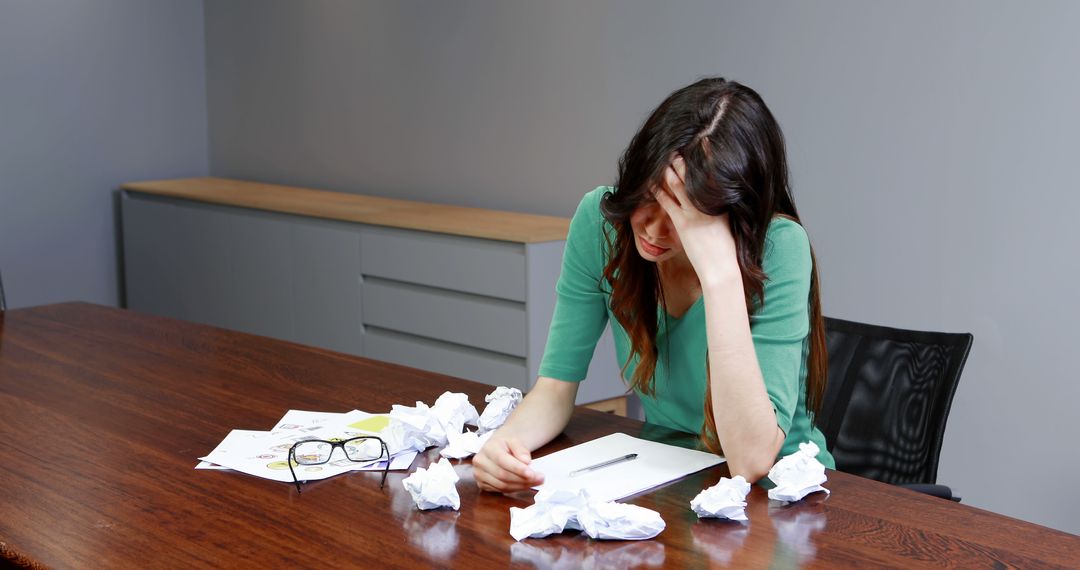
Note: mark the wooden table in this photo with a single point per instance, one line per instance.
(103, 413)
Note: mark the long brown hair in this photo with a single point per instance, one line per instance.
(736, 163)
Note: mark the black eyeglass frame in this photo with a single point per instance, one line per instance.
(334, 445)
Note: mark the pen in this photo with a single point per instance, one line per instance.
(603, 464)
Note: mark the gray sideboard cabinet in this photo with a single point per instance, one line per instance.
(460, 291)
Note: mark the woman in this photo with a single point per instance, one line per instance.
(698, 261)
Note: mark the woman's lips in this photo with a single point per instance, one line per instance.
(652, 249)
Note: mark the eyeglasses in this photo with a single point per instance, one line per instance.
(362, 449)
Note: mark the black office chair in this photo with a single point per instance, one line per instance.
(3, 303)
(887, 400)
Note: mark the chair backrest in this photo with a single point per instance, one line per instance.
(888, 397)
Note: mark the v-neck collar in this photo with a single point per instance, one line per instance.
(662, 312)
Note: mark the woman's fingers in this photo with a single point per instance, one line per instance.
(666, 200)
(521, 453)
(510, 468)
(675, 182)
(499, 479)
(490, 481)
(672, 185)
(679, 166)
(487, 482)
(504, 467)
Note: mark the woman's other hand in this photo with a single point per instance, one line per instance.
(503, 463)
(503, 466)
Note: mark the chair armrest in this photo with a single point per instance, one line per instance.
(940, 491)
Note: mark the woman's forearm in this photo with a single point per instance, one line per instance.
(745, 420)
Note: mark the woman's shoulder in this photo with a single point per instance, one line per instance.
(589, 230)
(786, 242)
(783, 229)
(593, 198)
(588, 211)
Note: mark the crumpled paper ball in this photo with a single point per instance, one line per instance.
(420, 427)
(553, 511)
(452, 411)
(434, 487)
(556, 510)
(620, 521)
(401, 436)
(500, 403)
(725, 500)
(798, 474)
(464, 444)
(415, 426)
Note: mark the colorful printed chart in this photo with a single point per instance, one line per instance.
(265, 453)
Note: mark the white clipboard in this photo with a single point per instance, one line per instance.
(655, 464)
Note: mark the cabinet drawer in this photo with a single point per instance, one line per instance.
(446, 358)
(481, 267)
(458, 318)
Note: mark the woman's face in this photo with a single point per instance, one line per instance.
(654, 234)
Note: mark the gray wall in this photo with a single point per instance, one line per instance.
(929, 142)
(92, 94)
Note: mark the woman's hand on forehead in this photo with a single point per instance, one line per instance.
(674, 183)
(707, 240)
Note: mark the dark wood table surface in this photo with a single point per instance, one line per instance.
(103, 413)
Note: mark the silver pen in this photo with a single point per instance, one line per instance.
(603, 464)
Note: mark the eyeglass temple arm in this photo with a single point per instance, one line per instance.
(289, 461)
(386, 469)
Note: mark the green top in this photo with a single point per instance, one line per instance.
(780, 329)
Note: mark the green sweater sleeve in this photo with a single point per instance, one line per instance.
(580, 306)
(781, 326)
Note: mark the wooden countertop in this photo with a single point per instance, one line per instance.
(439, 218)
